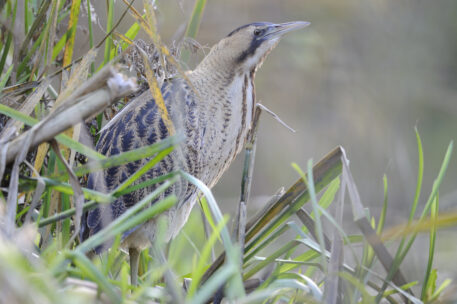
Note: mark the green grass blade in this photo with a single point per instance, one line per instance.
(164, 146)
(27, 16)
(313, 288)
(137, 175)
(9, 39)
(194, 23)
(205, 255)
(30, 52)
(217, 280)
(130, 218)
(325, 171)
(271, 258)
(65, 188)
(146, 183)
(97, 197)
(235, 283)
(216, 212)
(207, 212)
(133, 31)
(37, 23)
(400, 255)
(431, 251)
(91, 33)
(303, 259)
(271, 237)
(366, 297)
(439, 290)
(5, 77)
(58, 47)
(317, 216)
(435, 188)
(65, 233)
(439, 179)
(71, 32)
(109, 26)
(382, 217)
(89, 269)
(420, 175)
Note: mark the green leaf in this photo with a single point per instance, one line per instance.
(58, 47)
(199, 270)
(164, 147)
(439, 290)
(5, 77)
(83, 263)
(132, 217)
(429, 284)
(109, 26)
(194, 22)
(193, 25)
(9, 39)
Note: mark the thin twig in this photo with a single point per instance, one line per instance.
(275, 116)
(116, 25)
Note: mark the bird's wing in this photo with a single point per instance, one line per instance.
(139, 124)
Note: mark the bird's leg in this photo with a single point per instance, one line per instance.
(134, 255)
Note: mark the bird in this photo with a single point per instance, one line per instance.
(213, 106)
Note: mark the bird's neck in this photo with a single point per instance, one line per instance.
(220, 72)
(226, 101)
(224, 84)
(214, 71)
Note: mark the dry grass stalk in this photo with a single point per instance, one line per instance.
(92, 97)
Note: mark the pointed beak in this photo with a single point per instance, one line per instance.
(278, 30)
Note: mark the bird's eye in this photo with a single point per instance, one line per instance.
(257, 32)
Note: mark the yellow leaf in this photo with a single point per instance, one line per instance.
(157, 94)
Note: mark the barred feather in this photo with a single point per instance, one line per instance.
(214, 111)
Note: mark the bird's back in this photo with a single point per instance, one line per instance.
(140, 124)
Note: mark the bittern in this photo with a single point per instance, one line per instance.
(213, 108)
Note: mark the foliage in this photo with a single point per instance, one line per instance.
(275, 256)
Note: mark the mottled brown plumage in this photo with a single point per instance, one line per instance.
(214, 112)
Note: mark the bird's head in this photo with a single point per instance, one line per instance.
(246, 47)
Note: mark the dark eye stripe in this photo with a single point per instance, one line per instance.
(250, 24)
(255, 43)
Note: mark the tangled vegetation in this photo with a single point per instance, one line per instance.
(281, 254)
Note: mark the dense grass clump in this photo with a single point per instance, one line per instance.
(283, 253)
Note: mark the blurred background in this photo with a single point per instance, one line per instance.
(363, 75)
